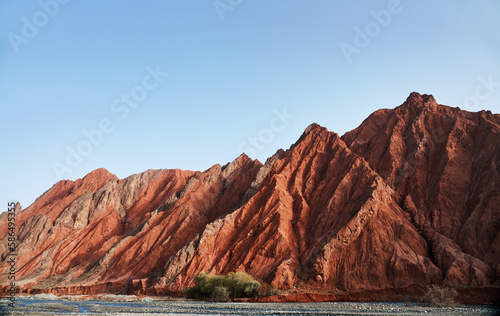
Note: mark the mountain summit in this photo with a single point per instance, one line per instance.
(408, 199)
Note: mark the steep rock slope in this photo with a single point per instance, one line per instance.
(322, 218)
(99, 232)
(445, 163)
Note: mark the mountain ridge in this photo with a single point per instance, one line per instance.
(408, 198)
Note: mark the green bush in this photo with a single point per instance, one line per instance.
(237, 283)
(220, 294)
(222, 288)
(251, 289)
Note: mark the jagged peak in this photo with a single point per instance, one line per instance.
(100, 172)
(417, 100)
(241, 159)
(97, 176)
(312, 127)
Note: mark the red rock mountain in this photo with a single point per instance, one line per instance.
(409, 198)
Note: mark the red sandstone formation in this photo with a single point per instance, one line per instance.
(445, 163)
(408, 199)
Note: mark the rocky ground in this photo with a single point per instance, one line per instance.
(131, 305)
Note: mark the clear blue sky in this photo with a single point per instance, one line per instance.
(231, 69)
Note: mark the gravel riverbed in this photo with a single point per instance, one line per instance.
(156, 306)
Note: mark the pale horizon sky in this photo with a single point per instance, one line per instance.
(131, 86)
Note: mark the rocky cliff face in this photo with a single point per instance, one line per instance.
(445, 163)
(411, 197)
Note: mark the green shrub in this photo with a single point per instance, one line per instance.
(251, 289)
(235, 285)
(220, 294)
